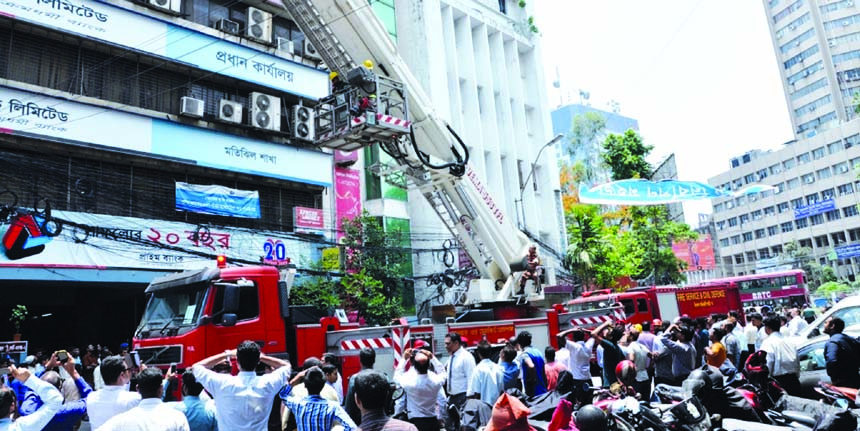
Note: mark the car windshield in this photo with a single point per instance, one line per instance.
(174, 307)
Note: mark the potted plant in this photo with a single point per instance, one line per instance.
(19, 314)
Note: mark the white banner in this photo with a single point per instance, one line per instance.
(105, 242)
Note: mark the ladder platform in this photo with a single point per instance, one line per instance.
(364, 130)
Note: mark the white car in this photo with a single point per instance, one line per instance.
(847, 309)
(813, 367)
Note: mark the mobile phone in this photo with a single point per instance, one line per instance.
(62, 356)
(173, 368)
(4, 371)
(135, 358)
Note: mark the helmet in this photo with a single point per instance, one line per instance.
(656, 323)
(638, 327)
(590, 418)
(332, 76)
(368, 64)
(697, 382)
(625, 372)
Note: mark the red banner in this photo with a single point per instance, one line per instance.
(308, 218)
(698, 254)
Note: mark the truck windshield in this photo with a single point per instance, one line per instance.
(173, 308)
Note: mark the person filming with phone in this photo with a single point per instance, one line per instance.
(50, 396)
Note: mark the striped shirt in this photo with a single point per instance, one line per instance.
(315, 413)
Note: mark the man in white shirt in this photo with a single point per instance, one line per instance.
(579, 363)
(114, 398)
(754, 332)
(421, 387)
(796, 324)
(487, 381)
(244, 401)
(781, 357)
(51, 398)
(151, 414)
(459, 372)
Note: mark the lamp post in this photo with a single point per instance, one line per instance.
(531, 171)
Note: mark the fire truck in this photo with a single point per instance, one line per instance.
(642, 304)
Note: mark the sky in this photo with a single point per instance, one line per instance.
(700, 76)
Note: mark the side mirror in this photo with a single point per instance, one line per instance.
(229, 319)
(231, 298)
(204, 320)
(814, 333)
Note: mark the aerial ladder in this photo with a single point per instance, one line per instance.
(387, 106)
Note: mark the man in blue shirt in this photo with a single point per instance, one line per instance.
(200, 414)
(313, 412)
(71, 412)
(842, 354)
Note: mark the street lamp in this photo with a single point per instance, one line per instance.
(531, 171)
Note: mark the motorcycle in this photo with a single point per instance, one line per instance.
(837, 395)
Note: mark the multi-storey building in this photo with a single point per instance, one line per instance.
(817, 44)
(814, 203)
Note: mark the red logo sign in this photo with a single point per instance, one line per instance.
(308, 218)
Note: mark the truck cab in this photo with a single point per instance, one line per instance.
(193, 314)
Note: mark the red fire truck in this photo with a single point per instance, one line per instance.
(642, 304)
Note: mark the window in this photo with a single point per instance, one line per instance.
(838, 23)
(805, 72)
(801, 223)
(852, 141)
(811, 358)
(759, 234)
(756, 215)
(821, 241)
(769, 211)
(799, 58)
(796, 41)
(749, 178)
(775, 169)
(730, 204)
(739, 258)
(832, 7)
(763, 253)
(827, 194)
(816, 219)
(750, 256)
(721, 225)
(761, 174)
(249, 303)
(727, 260)
(808, 178)
(805, 243)
(834, 147)
(779, 188)
(775, 250)
(786, 227)
(787, 11)
(838, 238)
(782, 207)
(811, 199)
(832, 215)
(745, 218)
(772, 230)
(642, 305)
(841, 168)
(823, 173)
(788, 164)
(737, 184)
(736, 240)
(724, 242)
(854, 234)
(733, 222)
(718, 208)
(796, 203)
(792, 183)
(816, 122)
(817, 153)
(748, 236)
(810, 108)
(850, 211)
(740, 200)
(809, 89)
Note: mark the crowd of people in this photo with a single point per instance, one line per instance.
(243, 389)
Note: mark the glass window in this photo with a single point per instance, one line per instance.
(841, 168)
(751, 256)
(749, 178)
(724, 242)
(839, 23)
(733, 222)
(838, 238)
(738, 184)
(796, 203)
(786, 227)
(779, 188)
(643, 305)
(816, 219)
(808, 178)
(756, 215)
(777, 249)
(721, 225)
(761, 174)
(805, 243)
(850, 211)
(810, 108)
(823, 173)
(789, 164)
(769, 211)
(809, 89)
(759, 233)
(739, 258)
(775, 169)
(854, 234)
(736, 239)
(740, 200)
(249, 303)
(796, 41)
(811, 199)
(718, 208)
(792, 183)
(745, 218)
(827, 194)
(832, 215)
(748, 236)
(782, 207)
(817, 153)
(799, 58)
(805, 73)
(787, 11)
(772, 230)
(811, 358)
(852, 141)
(834, 147)
(801, 223)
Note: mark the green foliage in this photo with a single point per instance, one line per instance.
(321, 291)
(856, 102)
(17, 317)
(599, 253)
(584, 146)
(655, 233)
(799, 257)
(833, 287)
(371, 299)
(625, 154)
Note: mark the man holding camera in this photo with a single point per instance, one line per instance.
(678, 341)
(50, 396)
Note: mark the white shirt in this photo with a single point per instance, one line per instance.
(750, 334)
(338, 387)
(459, 371)
(98, 380)
(640, 359)
(245, 400)
(51, 399)
(421, 390)
(781, 356)
(150, 415)
(795, 325)
(580, 358)
(488, 381)
(760, 336)
(109, 402)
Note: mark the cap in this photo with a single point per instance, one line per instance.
(123, 346)
(419, 344)
(656, 322)
(332, 75)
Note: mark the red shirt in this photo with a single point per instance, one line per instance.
(552, 369)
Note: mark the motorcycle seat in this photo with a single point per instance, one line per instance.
(799, 417)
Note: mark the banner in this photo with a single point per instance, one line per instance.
(816, 208)
(217, 200)
(644, 192)
(308, 220)
(347, 191)
(847, 251)
(698, 254)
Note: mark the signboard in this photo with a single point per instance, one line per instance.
(846, 251)
(816, 208)
(347, 191)
(644, 192)
(698, 254)
(308, 220)
(13, 348)
(773, 294)
(94, 241)
(494, 334)
(345, 158)
(30, 114)
(692, 303)
(217, 200)
(110, 23)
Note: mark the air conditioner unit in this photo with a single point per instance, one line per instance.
(310, 51)
(286, 48)
(791, 27)
(230, 111)
(843, 169)
(259, 25)
(809, 180)
(265, 111)
(191, 107)
(227, 26)
(171, 6)
(302, 123)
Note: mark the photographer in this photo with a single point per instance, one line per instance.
(50, 396)
(678, 342)
(71, 412)
(422, 388)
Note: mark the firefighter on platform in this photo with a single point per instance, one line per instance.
(532, 263)
(367, 101)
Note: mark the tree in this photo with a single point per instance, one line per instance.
(621, 256)
(833, 288)
(625, 155)
(584, 147)
(655, 233)
(584, 235)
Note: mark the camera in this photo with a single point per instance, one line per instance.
(62, 356)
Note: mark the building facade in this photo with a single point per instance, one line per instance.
(817, 44)
(480, 64)
(145, 138)
(814, 203)
(667, 169)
